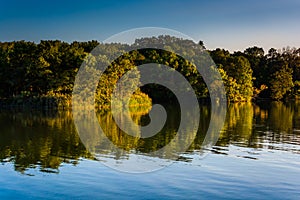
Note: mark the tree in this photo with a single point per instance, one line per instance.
(280, 79)
(257, 60)
(281, 82)
(238, 74)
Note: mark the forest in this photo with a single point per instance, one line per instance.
(43, 74)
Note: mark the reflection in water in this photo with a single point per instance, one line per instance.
(267, 125)
(46, 140)
(39, 139)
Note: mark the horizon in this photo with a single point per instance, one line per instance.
(101, 42)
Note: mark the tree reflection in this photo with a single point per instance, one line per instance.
(39, 139)
(46, 140)
(238, 124)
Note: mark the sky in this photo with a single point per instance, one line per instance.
(230, 24)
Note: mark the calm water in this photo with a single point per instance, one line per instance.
(256, 156)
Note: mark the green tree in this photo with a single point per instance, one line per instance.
(281, 82)
(257, 61)
(237, 74)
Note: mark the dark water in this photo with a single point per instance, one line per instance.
(257, 156)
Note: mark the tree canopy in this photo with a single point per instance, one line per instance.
(49, 68)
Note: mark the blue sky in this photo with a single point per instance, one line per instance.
(229, 24)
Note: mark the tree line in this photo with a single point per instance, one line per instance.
(48, 69)
(274, 75)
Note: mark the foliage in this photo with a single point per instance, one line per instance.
(281, 82)
(236, 73)
(48, 69)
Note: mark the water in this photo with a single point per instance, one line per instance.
(256, 157)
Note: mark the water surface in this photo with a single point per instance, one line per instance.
(256, 156)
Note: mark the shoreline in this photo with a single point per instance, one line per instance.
(64, 103)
